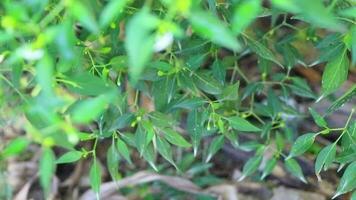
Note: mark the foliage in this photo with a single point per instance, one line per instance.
(160, 77)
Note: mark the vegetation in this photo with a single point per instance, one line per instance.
(156, 78)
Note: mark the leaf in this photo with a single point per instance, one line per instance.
(140, 139)
(273, 103)
(252, 88)
(215, 146)
(85, 16)
(209, 27)
(89, 109)
(262, 50)
(15, 147)
(325, 157)
(123, 150)
(302, 144)
(195, 128)
(208, 84)
(350, 93)
(294, 168)
(163, 148)
(251, 166)
(112, 160)
(271, 163)
(111, 11)
(139, 41)
(69, 157)
(335, 73)
(318, 119)
(244, 14)
(47, 168)
(301, 88)
(175, 138)
(241, 124)
(95, 177)
(348, 181)
(231, 92)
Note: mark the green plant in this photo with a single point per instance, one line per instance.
(161, 76)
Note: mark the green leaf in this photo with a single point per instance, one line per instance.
(324, 159)
(231, 92)
(335, 73)
(302, 144)
(252, 88)
(251, 166)
(271, 163)
(47, 168)
(244, 14)
(95, 177)
(294, 168)
(318, 119)
(349, 94)
(15, 147)
(207, 83)
(123, 150)
(209, 27)
(89, 109)
(163, 148)
(273, 103)
(348, 180)
(175, 138)
(139, 41)
(195, 128)
(301, 88)
(85, 16)
(215, 146)
(242, 124)
(69, 157)
(111, 11)
(353, 196)
(140, 139)
(112, 160)
(262, 50)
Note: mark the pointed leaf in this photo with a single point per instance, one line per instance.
(242, 124)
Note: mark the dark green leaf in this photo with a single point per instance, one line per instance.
(348, 180)
(215, 146)
(294, 168)
(251, 166)
(302, 144)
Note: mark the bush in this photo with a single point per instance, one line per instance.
(159, 77)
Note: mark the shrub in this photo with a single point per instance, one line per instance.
(161, 76)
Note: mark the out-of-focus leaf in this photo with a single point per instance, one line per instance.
(209, 27)
(15, 147)
(139, 41)
(95, 177)
(47, 168)
(195, 128)
(244, 13)
(165, 150)
(111, 11)
(69, 157)
(89, 109)
(82, 13)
